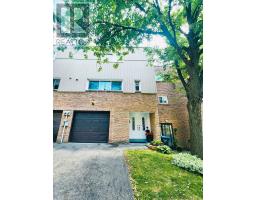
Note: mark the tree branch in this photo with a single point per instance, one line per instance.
(140, 8)
(180, 74)
(170, 20)
(200, 51)
(145, 31)
(197, 9)
(172, 39)
(157, 6)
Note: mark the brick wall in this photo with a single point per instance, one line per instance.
(119, 105)
(175, 111)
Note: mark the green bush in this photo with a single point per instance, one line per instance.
(188, 162)
(61, 47)
(164, 149)
(156, 143)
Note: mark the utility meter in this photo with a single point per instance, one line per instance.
(65, 123)
(66, 113)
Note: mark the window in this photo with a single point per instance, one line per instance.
(116, 85)
(163, 100)
(143, 124)
(137, 86)
(105, 85)
(56, 83)
(94, 85)
(133, 123)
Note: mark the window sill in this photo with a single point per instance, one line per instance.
(164, 104)
(117, 91)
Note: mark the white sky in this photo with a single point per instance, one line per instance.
(157, 41)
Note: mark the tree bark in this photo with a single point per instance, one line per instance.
(195, 123)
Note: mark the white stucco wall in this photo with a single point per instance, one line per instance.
(134, 67)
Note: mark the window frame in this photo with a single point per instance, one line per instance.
(137, 81)
(54, 83)
(121, 86)
(164, 103)
(171, 129)
(111, 82)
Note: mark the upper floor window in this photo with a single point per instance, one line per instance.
(163, 99)
(105, 85)
(137, 86)
(56, 83)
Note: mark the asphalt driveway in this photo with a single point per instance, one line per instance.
(91, 171)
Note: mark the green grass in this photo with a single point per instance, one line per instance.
(154, 177)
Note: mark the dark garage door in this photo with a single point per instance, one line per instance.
(56, 123)
(90, 127)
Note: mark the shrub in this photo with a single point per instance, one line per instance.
(156, 142)
(188, 162)
(61, 47)
(164, 149)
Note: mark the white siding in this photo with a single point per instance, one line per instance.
(133, 68)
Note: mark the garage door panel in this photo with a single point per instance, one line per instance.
(90, 127)
(93, 127)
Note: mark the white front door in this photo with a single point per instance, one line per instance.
(138, 123)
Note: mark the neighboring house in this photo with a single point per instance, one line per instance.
(172, 109)
(112, 105)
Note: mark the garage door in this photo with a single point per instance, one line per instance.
(90, 127)
(56, 123)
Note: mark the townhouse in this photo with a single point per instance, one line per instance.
(114, 105)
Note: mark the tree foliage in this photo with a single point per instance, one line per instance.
(115, 24)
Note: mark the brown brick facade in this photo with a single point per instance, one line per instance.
(119, 105)
(175, 111)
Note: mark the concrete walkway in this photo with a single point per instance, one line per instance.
(91, 172)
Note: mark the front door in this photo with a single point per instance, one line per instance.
(139, 121)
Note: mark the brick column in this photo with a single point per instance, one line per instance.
(155, 126)
(119, 127)
(67, 129)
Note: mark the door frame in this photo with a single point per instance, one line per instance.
(138, 125)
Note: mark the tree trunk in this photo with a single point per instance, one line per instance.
(195, 123)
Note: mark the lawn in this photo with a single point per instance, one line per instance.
(154, 177)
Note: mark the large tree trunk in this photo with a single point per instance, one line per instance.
(195, 123)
